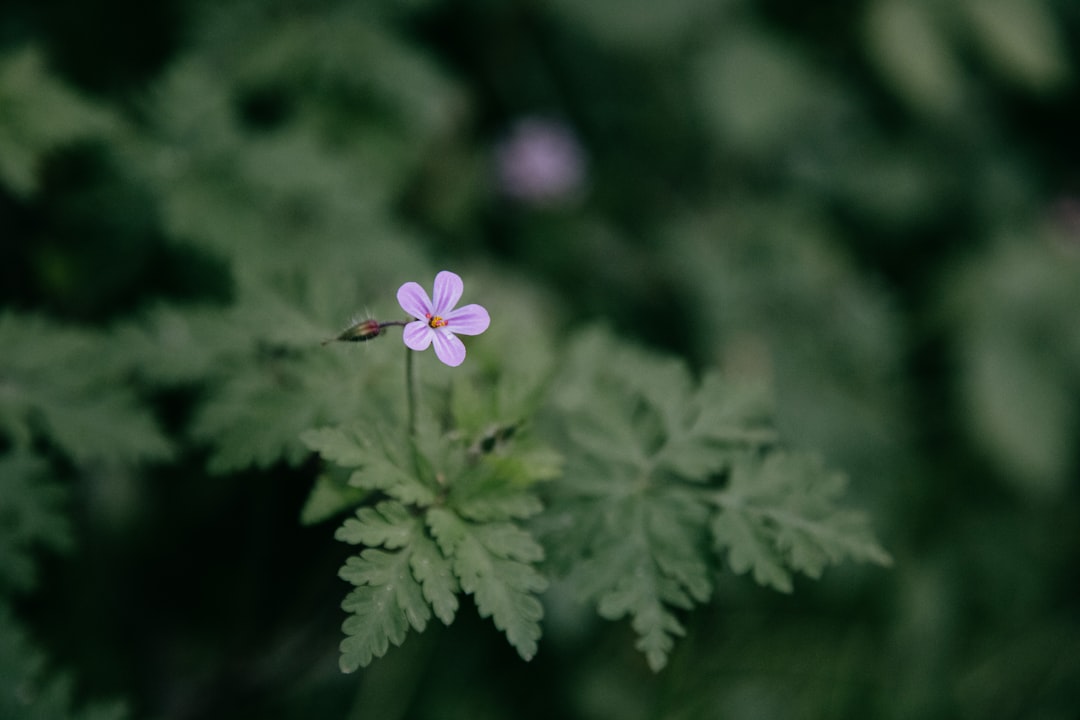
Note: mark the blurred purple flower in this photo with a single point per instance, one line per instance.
(437, 321)
(540, 162)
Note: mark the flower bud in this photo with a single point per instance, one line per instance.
(358, 332)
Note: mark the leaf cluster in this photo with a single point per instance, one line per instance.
(64, 385)
(442, 518)
(65, 399)
(666, 477)
(660, 480)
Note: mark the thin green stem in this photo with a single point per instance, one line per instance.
(410, 394)
(410, 401)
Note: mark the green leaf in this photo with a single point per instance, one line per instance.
(1016, 338)
(256, 415)
(384, 461)
(638, 594)
(388, 524)
(171, 345)
(337, 445)
(40, 113)
(731, 413)
(625, 406)
(265, 376)
(779, 513)
(758, 92)
(635, 26)
(626, 523)
(750, 548)
(492, 563)
(102, 425)
(1022, 37)
(914, 53)
(386, 602)
(644, 556)
(495, 488)
(720, 416)
(462, 490)
(436, 577)
(329, 496)
(296, 198)
(395, 590)
(32, 514)
(65, 385)
(633, 523)
(392, 470)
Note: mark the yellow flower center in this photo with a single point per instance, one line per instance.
(435, 321)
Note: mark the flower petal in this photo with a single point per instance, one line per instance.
(417, 335)
(414, 300)
(468, 320)
(448, 348)
(447, 291)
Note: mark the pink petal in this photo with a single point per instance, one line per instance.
(414, 300)
(468, 320)
(448, 348)
(447, 291)
(417, 335)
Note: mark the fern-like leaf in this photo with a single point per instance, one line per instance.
(448, 527)
(398, 583)
(329, 496)
(493, 562)
(32, 516)
(58, 383)
(644, 557)
(388, 525)
(436, 577)
(386, 602)
(637, 521)
(381, 463)
(779, 514)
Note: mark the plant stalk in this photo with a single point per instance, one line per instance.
(410, 394)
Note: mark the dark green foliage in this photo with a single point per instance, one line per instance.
(493, 562)
(664, 477)
(65, 385)
(1018, 343)
(779, 513)
(830, 241)
(41, 114)
(450, 526)
(25, 691)
(32, 516)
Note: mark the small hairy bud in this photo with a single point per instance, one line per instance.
(358, 332)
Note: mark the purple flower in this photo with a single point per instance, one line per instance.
(541, 162)
(438, 321)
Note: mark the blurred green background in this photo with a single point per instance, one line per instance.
(872, 204)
